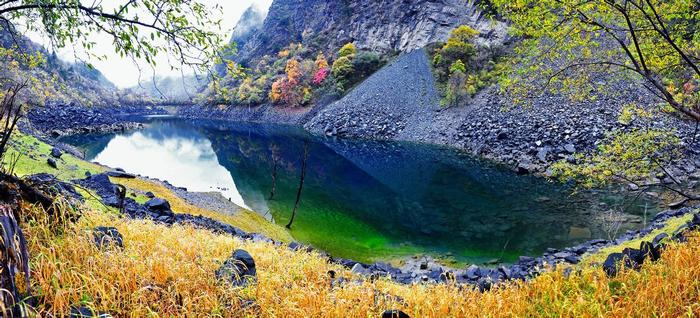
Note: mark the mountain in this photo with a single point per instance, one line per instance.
(65, 82)
(171, 89)
(383, 26)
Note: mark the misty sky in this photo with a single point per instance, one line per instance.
(125, 73)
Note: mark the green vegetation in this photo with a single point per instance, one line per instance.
(460, 68)
(565, 44)
(295, 77)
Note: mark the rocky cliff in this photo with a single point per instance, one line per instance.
(382, 26)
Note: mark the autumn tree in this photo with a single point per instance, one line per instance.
(565, 45)
(655, 41)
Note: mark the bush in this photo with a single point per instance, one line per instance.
(342, 70)
(347, 50)
(365, 64)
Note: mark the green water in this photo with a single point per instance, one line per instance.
(369, 200)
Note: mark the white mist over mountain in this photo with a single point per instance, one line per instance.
(124, 72)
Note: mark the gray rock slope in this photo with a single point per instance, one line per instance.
(386, 105)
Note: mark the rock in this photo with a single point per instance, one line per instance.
(150, 195)
(107, 236)
(86, 312)
(650, 251)
(616, 261)
(239, 269)
(502, 136)
(359, 269)
(542, 154)
(472, 272)
(158, 205)
(570, 148)
(394, 313)
(56, 153)
(120, 174)
(659, 238)
(52, 163)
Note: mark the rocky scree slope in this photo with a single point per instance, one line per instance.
(381, 26)
(401, 102)
(385, 105)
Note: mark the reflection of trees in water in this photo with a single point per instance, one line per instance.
(424, 195)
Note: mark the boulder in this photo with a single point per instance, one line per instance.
(86, 312)
(159, 205)
(150, 195)
(394, 313)
(650, 251)
(239, 269)
(56, 153)
(101, 184)
(120, 174)
(616, 261)
(52, 163)
(107, 236)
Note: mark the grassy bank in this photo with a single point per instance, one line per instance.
(169, 271)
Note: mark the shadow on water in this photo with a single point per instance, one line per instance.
(371, 200)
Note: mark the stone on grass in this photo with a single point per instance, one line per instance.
(158, 205)
(239, 269)
(56, 153)
(394, 313)
(52, 163)
(107, 236)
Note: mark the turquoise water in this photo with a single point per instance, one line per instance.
(369, 200)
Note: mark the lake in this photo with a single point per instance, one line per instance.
(370, 200)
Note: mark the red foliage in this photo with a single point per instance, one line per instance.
(320, 76)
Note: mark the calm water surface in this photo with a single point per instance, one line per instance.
(370, 200)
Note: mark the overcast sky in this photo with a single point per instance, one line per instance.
(124, 73)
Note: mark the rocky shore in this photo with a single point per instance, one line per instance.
(68, 119)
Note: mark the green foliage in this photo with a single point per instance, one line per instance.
(566, 43)
(634, 155)
(365, 64)
(456, 64)
(342, 71)
(348, 50)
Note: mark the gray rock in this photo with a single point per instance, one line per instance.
(56, 153)
(239, 269)
(107, 236)
(52, 163)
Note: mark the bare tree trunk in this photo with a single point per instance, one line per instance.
(301, 184)
(274, 179)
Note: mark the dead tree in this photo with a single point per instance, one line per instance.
(274, 154)
(304, 159)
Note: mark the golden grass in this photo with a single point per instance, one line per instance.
(246, 220)
(169, 272)
(671, 225)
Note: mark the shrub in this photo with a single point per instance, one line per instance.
(365, 64)
(320, 76)
(347, 50)
(342, 70)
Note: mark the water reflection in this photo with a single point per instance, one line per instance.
(175, 153)
(371, 200)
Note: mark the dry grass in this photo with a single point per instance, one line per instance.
(169, 272)
(246, 220)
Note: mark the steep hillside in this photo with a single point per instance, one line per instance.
(381, 26)
(66, 82)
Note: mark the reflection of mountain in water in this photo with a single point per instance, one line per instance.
(410, 192)
(431, 198)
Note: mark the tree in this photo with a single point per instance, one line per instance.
(321, 61)
(348, 50)
(342, 71)
(456, 86)
(654, 40)
(304, 159)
